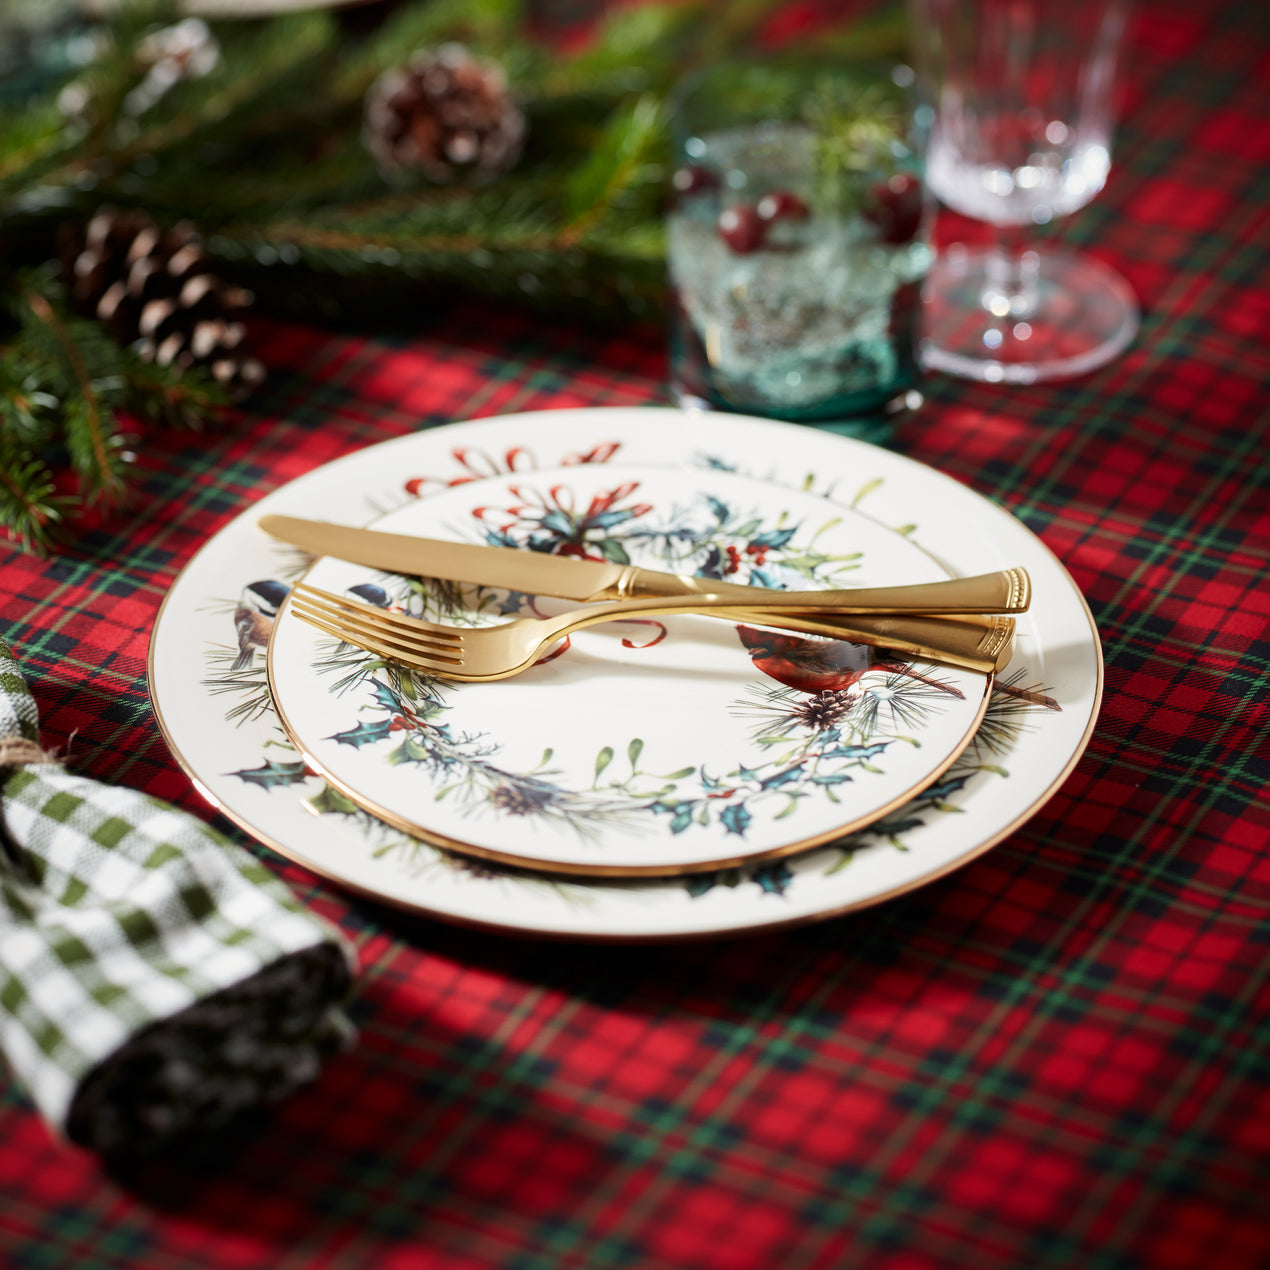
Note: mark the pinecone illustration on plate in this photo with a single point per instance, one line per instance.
(155, 289)
(443, 113)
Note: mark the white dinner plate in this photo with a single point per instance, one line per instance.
(208, 683)
(647, 746)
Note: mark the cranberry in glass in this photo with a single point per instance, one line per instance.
(741, 227)
(781, 205)
(896, 208)
(692, 179)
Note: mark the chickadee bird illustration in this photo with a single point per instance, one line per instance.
(813, 666)
(371, 593)
(253, 618)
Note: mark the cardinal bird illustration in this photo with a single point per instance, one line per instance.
(253, 618)
(824, 665)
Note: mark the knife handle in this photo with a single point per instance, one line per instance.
(1006, 591)
(982, 644)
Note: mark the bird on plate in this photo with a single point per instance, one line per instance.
(817, 665)
(372, 594)
(254, 616)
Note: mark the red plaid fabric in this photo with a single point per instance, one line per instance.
(1054, 1057)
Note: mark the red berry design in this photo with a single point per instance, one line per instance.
(896, 208)
(781, 205)
(742, 229)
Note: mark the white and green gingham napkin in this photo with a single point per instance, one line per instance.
(155, 979)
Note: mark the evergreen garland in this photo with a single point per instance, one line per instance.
(264, 154)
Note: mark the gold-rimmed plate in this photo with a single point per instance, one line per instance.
(646, 747)
(207, 682)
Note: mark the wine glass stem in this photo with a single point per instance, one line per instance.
(1011, 270)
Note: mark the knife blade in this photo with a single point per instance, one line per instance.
(570, 578)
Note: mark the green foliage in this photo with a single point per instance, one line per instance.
(264, 154)
(66, 389)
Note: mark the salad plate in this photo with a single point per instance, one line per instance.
(207, 679)
(668, 745)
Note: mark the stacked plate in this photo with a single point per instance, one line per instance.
(657, 778)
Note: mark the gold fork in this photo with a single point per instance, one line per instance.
(483, 653)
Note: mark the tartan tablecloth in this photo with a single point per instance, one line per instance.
(1054, 1057)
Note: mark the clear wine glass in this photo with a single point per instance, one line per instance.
(1019, 99)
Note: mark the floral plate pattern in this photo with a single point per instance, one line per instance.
(737, 743)
(207, 682)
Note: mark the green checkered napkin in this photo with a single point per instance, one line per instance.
(155, 979)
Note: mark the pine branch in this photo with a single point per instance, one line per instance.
(64, 383)
(265, 155)
(627, 167)
(30, 508)
(92, 437)
(186, 400)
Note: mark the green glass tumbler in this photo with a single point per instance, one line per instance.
(797, 239)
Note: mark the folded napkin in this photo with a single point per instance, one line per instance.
(155, 979)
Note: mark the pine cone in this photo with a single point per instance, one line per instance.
(154, 289)
(442, 113)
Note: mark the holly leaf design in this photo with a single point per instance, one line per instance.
(858, 751)
(777, 779)
(719, 508)
(680, 813)
(736, 819)
(271, 775)
(765, 578)
(946, 787)
(712, 566)
(385, 697)
(613, 550)
(610, 519)
(775, 538)
(513, 602)
(774, 879)
(681, 821)
(363, 734)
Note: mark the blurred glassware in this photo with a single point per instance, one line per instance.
(1018, 97)
(797, 239)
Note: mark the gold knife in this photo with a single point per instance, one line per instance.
(537, 573)
(904, 618)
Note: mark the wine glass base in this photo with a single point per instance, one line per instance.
(1081, 315)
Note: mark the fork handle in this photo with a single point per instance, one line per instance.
(1006, 591)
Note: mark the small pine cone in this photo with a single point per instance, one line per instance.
(520, 800)
(443, 113)
(154, 289)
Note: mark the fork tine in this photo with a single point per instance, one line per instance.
(410, 627)
(390, 650)
(352, 632)
(362, 618)
(394, 646)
